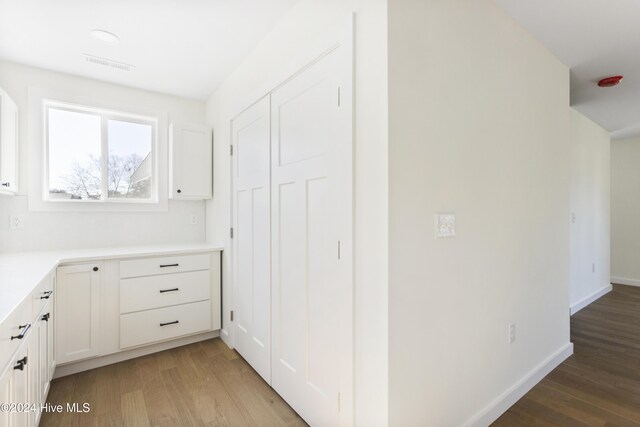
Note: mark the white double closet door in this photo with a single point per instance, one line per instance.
(292, 220)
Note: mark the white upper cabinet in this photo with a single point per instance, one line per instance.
(8, 144)
(190, 162)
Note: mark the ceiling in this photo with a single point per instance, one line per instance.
(596, 39)
(188, 47)
(180, 47)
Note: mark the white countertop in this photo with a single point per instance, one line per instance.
(20, 273)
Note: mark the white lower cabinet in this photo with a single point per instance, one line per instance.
(78, 291)
(22, 383)
(144, 293)
(164, 323)
(166, 298)
(5, 394)
(25, 379)
(46, 361)
(87, 310)
(113, 305)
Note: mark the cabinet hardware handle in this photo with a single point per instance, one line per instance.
(46, 317)
(179, 191)
(20, 363)
(95, 269)
(24, 328)
(169, 265)
(170, 323)
(162, 291)
(6, 184)
(46, 295)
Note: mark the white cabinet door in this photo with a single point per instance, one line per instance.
(15, 389)
(51, 332)
(34, 392)
(8, 144)
(20, 388)
(23, 377)
(251, 240)
(44, 330)
(5, 395)
(190, 162)
(77, 300)
(311, 238)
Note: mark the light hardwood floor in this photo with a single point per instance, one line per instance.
(600, 384)
(202, 384)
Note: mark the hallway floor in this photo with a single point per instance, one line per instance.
(599, 385)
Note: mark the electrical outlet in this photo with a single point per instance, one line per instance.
(573, 217)
(445, 225)
(193, 219)
(16, 222)
(512, 333)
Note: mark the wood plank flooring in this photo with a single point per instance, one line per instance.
(600, 384)
(202, 384)
(206, 384)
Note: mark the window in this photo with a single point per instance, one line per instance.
(98, 156)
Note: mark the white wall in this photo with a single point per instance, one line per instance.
(52, 231)
(590, 231)
(308, 20)
(479, 125)
(45, 231)
(625, 211)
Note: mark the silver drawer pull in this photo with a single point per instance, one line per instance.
(170, 323)
(24, 328)
(162, 291)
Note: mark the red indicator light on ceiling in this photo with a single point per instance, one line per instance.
(610, 81)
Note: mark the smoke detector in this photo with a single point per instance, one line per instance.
(108, 62)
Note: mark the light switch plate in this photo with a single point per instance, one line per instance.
(445, 225)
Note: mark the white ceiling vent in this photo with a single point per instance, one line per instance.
(108, 62)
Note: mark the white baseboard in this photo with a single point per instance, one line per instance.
(97, 362)
(590, 298)
(625, 281)
(519, 389)
(224, 335)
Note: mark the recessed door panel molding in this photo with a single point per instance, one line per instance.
(251, 242)
(303, 122)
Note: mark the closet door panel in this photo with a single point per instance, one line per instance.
(251, 241)
(306, 211)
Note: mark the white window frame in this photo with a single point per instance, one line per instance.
(39, 200)
(105, 116)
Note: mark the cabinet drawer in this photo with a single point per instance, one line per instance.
(42, 294)
(22, 316)
(161, 324)
(164, 265)
(144, 293)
